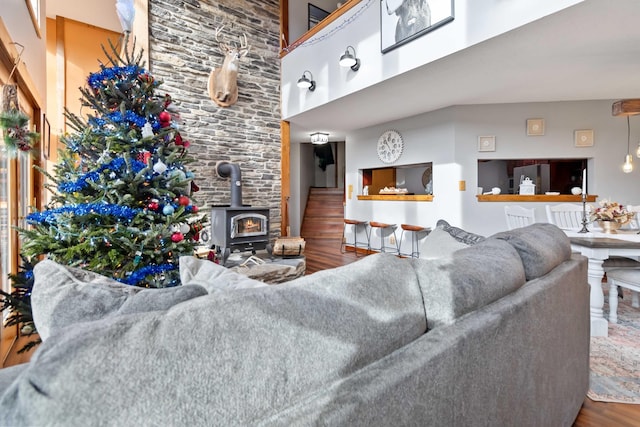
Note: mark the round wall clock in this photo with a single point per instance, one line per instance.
(390, 146)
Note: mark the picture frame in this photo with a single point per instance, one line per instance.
(486, 143)
(583, 138)
(535, 127)
(315, 15)
(399, 26)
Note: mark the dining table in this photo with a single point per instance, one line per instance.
(598, 246)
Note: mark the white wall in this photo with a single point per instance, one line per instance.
(449, 139)
(16, 18)
(475, 21)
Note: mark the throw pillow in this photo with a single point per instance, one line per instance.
(213, 277)
(446, 239)
(65, 295)
(459, 234)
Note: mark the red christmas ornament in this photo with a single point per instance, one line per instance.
(178, 140)
(194, 209)
(165, 119)
(177, 237)
(194, 187)
(153, 206)
(183, 200)
(186, 144)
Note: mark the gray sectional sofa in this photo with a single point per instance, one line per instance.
(493, 332)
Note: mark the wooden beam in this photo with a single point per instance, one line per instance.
(285, 171)
(626, 107)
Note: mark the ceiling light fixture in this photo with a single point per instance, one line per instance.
(349, 60)
(319, 138)
(307, 83)
(627, 167)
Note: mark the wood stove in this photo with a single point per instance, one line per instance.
(237, 227)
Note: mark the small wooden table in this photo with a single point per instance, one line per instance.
(598, 246)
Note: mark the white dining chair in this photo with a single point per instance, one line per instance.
(566, 215)
(517, 216)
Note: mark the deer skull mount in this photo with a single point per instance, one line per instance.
(223, 83)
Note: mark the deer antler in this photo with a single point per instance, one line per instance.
(243, 41)
(217, 31)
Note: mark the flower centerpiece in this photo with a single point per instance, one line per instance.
(611, 215)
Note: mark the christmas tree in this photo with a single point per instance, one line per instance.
(121, 203)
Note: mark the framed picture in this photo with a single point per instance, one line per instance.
(486, 143)
(404, 20)
(46, 138)
(535, 127)
(316, 15)
(583, 138)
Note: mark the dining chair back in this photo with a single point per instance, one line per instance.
(517, 216)
(566, 215)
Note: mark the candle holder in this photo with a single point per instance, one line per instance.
(584, 214)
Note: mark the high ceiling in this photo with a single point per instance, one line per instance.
(587, 52)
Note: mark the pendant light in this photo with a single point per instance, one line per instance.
(627, 167)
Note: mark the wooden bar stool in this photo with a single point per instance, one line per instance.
(386, 231)
(356, 225)
(418, 232)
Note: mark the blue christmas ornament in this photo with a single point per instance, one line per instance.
(168, 210)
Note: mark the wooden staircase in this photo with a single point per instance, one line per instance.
(324, 214)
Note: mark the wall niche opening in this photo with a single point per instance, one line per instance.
(548, 175)
(407, 179)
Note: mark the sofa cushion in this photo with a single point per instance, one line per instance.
(472, 278)
(65, 295)
(213, 277)
(445, 239)
(240, 355)
(541, 247)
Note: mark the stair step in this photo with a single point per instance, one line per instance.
(324, 214)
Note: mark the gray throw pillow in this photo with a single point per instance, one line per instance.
(459, 234)
(439, 244)
(213, 277)
(65, 295)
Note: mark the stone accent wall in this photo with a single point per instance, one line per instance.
(182, 52)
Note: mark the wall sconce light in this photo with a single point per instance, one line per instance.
(307, 83)
(349, 60)
(319, 138)
(627, 167)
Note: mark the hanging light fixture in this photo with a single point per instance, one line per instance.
(319, 138)
(627, 167)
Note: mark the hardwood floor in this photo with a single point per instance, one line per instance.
(322, 254)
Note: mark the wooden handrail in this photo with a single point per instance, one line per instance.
(320, 26)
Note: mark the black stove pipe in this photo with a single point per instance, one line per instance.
(226, 169)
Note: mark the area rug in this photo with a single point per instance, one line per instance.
(615, 360)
